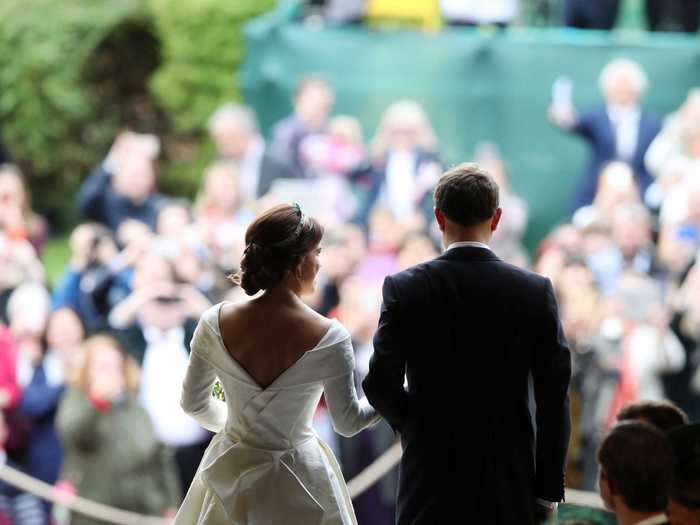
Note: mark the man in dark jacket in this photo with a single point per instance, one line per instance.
(124, 185)
(620, 130)
(468, 331)
(234, 131)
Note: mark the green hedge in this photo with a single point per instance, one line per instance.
(202, 48)
(72, 73)
(47, 119)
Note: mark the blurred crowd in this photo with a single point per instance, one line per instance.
(91, 368)
(659, 15)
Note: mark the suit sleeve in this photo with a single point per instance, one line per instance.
(551, 375)
(384, 384)
(584, 126)
(91, 195)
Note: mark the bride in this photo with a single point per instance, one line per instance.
(274, 357)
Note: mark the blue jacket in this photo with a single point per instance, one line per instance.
(97, 201)
(39, 404)
(595, 127)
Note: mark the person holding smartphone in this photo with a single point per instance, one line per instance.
(620, 129)
(124, 185)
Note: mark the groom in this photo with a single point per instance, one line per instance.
(468, 331)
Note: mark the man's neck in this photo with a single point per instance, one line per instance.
(473, 237)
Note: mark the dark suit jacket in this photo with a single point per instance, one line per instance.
(596, 128)
(468, 330)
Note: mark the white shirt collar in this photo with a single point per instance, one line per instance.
(473, 244)
(618, 111)
(654, 520)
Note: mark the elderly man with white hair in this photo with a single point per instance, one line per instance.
(234, 131)
(619, 130)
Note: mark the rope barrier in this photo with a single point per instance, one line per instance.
(84, 506)
(377, 470)
(356, 486)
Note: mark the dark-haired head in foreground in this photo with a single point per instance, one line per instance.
(684, 498)
(466, 204)
(664, 415)
(281, 244)
(635, 471)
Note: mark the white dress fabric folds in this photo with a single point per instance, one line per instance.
(266, 466)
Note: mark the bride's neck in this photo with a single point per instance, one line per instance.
(282, 294)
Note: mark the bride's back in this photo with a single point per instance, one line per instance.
(271, 332)
(268, 335)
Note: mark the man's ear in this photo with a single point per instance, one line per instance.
(496, 219)
(440, 219)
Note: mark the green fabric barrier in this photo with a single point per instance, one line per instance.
(476, 85)
(568, 513)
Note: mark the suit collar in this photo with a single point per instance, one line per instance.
(469, 253)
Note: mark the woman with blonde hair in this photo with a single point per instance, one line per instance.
(220, 216)
(112, 454)
(404, 165)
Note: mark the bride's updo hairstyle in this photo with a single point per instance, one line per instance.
(276, 242)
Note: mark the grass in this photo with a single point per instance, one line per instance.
(55, 257)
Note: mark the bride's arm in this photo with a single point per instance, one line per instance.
(349, 414)
(197, 400)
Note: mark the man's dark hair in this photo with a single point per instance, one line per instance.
(467, 195)
(664, 415)
(637, 461)
(685, 443)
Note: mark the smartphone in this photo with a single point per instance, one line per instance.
(562, 92)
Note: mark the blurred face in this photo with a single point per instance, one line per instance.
(135, 178)
(106, 361)
(64, 329)
(680, 515)
(172, 221)
(621, 89)
(11, 191)
(313, 105)
(337, 261)
(222, 189)
(630, 236)
(403, 134)
(385, 232)
(230, 140)
(134, 234)
(151, 270)
(186, 265)
(308, 271)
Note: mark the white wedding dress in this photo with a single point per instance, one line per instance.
(266, 466)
